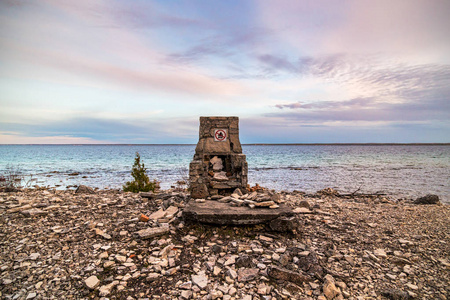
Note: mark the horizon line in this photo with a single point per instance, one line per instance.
(245, 144)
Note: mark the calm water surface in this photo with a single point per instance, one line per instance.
(402, 171)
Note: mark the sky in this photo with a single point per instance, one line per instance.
(350, 71)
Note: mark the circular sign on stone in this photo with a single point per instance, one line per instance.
(220, 135)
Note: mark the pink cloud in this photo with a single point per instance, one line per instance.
(16, 138)
(108, 74)
(400, 27)
(414, 27)
(68, 37)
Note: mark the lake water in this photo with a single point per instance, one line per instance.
(399, 170)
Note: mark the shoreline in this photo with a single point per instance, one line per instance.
(72, 186)
(81, 245)
(397, 170)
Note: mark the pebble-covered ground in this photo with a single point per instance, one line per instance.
(66, 245)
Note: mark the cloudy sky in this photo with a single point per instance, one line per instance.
(104, 71)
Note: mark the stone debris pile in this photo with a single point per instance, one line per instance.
(115, 245)
(256, 199)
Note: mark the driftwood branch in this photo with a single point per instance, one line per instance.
(357, 190)
(355, 193)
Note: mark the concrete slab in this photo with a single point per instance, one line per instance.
(214, 212)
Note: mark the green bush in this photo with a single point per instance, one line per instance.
(141, 181)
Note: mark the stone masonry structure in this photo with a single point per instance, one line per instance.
(218, 167)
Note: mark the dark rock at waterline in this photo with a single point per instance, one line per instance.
(428, 199)
(9, 189)
(82, 189)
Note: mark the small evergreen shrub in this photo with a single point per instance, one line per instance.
(141, 182)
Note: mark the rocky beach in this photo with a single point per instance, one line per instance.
(107, 244)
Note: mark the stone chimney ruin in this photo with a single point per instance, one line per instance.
(218, 167)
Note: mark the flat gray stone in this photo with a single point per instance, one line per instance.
(92, 282)
(247, 274)
(214, 212)
(152, 232)
(34, 212)
(201, 280)
(149, 195)
(31, 296)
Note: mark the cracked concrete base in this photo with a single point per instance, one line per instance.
(214, 212)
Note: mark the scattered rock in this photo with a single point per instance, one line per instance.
(186, 285)
(144, 218)
(305, 204)
(308, 262)
(148, 195)
(152, 232)
(82, 189)
(428, 199)
(17, 209)
(186, 294)
(394, 294)
(412, 286)
(157, 214)
(283, 224)
(102, 234)
(201, 280)
(247, 274)
(34, 256)
(105, 290)
(92, 282)
(87, 245)
(302, 210)
(380, 253)
(238, 192)
(243, 261)
(284, 274)
(329, 288)
(34, 212)
(31, 296)
(328, 192)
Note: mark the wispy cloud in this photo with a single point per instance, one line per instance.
(234, 47)
(385, 87)
(348, 104)
(366, 110)
(17, 138)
